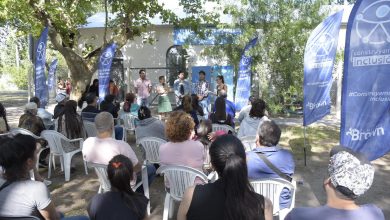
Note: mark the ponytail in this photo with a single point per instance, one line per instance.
(228, 158)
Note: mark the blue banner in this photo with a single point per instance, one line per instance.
(243, 88)
(365, 111)
(104, 68)
(51, 76)
(40, 60)
(320, 53)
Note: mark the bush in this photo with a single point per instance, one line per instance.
(19, 76)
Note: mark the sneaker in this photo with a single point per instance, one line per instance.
(47, 182)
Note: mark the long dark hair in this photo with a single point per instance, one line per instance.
(73, 125)
(3, 114)
(228, 158)
(257, 109)
(14, 153)
(187, 104)
(120, 173)
(221, 78)
(204, 129)
(220, 109)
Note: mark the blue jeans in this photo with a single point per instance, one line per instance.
(151, 170)
(205, 106)
(143, 102)
(118, 132)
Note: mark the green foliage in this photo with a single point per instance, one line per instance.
(283, 27)
(19, 75)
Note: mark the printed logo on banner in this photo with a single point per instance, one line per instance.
(106, 58)
(323, 46)
(245, 60)
(375, 15)
(41, 50)
(358, 135)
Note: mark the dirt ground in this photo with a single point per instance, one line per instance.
(72, 197)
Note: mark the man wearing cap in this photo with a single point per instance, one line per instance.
(61, 98)
(103, 148)
(350, 175)
(46, 116)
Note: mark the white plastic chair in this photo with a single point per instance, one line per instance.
(151, 146)
(55, 141)
(105, 186)
(227, 128)
(90, 128)
(249, 142)
(179, 178)
(15, 131)
(129, 122)
(272, 188)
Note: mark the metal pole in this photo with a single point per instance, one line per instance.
(304, 143)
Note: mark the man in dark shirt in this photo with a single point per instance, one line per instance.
(89, 112)
(61, 98)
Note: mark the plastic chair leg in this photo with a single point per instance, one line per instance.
(85, 167)
(166, 206)
(50, 164)
(67, 161)
(171, 208)
(145, 185)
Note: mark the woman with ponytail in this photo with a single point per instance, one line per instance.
(231, 197)
(121, 202)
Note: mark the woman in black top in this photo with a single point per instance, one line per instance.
(231, 197)
(121, 203)
(220, 116)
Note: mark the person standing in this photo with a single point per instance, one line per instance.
(201, 89)
(164, 105)
(94, 87)
(143, 87)
(221, 86)
(182, 87)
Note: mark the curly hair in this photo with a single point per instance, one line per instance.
(179, 126)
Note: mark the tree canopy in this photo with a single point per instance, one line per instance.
(65, 17)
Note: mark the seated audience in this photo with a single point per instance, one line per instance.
(4, 127)
(61, 98)
(245, 110)
(94, 88)
(70, 123)
(220, 116)
(186, 106)
(108, 105)
(19, 195)
(121, 203)
(103, 148)
(231, 197)
(230, 106)
(268, 151)
(30, 121)
(89, 112)
(195, 105)
(130, 104)
(147, 126)
(350, 175)
(249, 125)
(181, 149)
(46, 116)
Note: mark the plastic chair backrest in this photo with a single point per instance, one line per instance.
(101, 172)
(180, 178)
(151, 146)
(88, 116)
(249, 142)
(272, 188)
(19, 218)
(129, 121)
(227, 128)
(90, 128)
(54, 141)
(15, 131)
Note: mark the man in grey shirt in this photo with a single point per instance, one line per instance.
(350, 176)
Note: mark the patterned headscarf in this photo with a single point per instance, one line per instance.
(347, 170)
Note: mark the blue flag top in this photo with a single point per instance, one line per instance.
(40, 60)
(320, 53)
(51, 75)
(104, 68)
(243, 88)
(365, 112)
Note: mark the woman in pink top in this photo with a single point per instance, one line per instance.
(181, 150)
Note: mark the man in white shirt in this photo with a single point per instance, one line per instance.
(143, 87)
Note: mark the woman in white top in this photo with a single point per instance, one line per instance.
(164, 105)
(249, 125)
